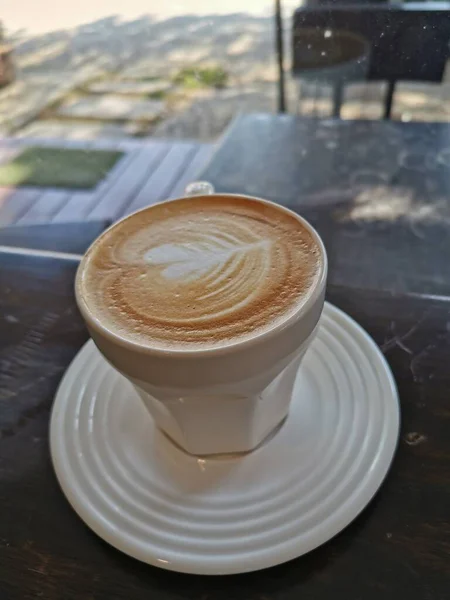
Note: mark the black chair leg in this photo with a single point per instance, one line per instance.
(389, 100)
(337, 99)
(280, 57)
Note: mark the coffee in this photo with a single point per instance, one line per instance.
(199, 272)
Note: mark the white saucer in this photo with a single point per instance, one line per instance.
(146, 497)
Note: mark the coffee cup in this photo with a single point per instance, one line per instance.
(209, 333)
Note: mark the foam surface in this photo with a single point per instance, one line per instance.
(199, 271)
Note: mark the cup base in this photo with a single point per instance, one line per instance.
(228, 455)
(153, 501)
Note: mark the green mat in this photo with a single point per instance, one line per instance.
(58, 167)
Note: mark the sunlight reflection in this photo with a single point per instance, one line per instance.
(385, 203)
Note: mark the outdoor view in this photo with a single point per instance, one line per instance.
(121, 69)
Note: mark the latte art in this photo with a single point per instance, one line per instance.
(190, 261)
(199, 272)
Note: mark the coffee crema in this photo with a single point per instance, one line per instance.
(199, 272)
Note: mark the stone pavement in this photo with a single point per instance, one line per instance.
(112, 107)
(24, 100)
(99, 79)
(127, 87)
(76, 130)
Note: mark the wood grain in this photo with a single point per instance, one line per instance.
(16, 202)
(165, 176)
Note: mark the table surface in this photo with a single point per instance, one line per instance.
(398, 547)
(71, 238)
(378, 192)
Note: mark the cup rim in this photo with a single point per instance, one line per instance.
(95, 323)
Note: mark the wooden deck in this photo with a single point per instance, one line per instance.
(149, 171)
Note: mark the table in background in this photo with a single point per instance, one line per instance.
(398, 547)
(378, 192)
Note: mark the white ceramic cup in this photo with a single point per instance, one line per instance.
(217, 400)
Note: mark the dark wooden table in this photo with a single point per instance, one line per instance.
(399, 547)
(378, 192)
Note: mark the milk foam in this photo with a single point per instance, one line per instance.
(191, 261)
(199, 271)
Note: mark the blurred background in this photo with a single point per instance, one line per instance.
(184, 69)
